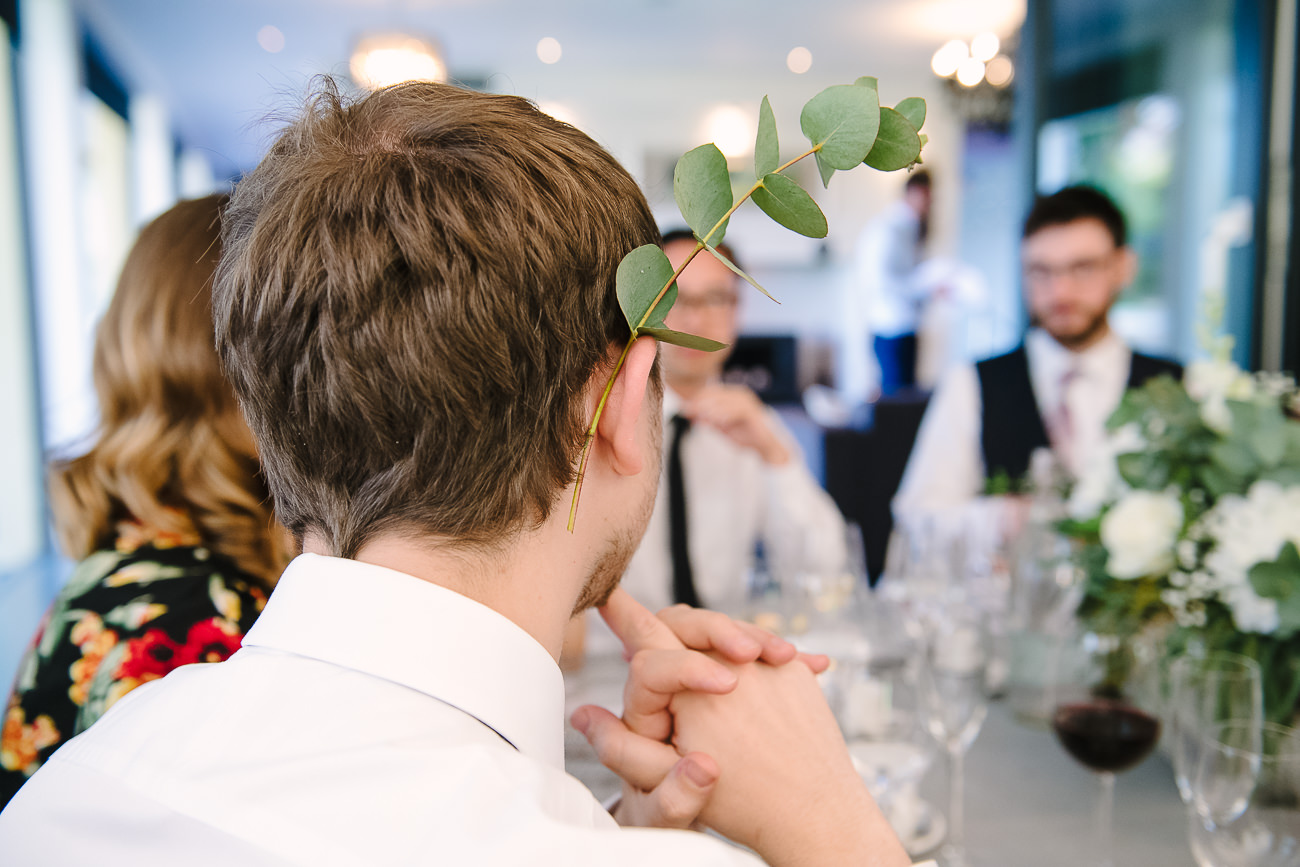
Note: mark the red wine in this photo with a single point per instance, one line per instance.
(1105, 735)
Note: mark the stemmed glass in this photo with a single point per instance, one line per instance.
(955, 702)
(1102, 717)
(1246, 794)
(1206, 691)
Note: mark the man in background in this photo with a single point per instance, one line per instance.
(734, 479)
(416, 308)
(888, 253)
(1057, 389)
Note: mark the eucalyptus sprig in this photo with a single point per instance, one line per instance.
(846, 126)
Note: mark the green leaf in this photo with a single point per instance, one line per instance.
(869, 81)
(1235, 458)
(913, 108)
(1143, 470)
(739, 273)
(702, 188)
(790, 205)
(826, 172)
(843, 120)
(897, 144)
(1277, 579)
(681, 338)
(1267, 436)
(640, 276)
(767, 152)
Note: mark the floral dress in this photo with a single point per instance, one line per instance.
(126, 617)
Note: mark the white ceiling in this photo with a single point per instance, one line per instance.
(657, 61)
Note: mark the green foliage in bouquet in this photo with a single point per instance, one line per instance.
(1191, 519)
(846, 127)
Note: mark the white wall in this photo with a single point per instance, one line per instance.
(22, 516)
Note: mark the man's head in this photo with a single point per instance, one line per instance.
(416, 291)
(917, 193)
(1076, 262)
(708, 298)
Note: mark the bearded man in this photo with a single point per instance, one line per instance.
(1057, 389)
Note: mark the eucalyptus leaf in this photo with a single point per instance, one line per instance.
(868, 81)
(790, 205)
(1235, 458)
(1280, 578)
(640, 276)
(717, 254)
(913, 108)
(767, 150)
(897, 144)
(681, 338)
(826, 172)
(702, 188)
(1267, 436)
(843, 120)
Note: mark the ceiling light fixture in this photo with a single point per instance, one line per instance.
(799, 60)
(549, 49)
(379, 61)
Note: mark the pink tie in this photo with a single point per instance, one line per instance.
(1061, 425)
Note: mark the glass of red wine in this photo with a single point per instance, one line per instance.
(1103, 715)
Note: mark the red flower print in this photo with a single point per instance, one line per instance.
(148, 657)
(211, 640)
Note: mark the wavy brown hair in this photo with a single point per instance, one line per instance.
(172, 450)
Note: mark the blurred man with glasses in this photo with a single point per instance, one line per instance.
(733, 475)
(1057, 389)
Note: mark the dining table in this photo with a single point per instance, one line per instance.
(1027, 803)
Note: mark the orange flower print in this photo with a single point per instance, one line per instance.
(133, 535)
(95, 641)
(20, 743)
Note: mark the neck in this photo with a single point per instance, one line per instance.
(1088, 339)
(537, 593)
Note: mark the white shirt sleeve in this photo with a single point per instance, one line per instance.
(946, 467)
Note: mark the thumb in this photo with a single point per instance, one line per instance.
(678, 801)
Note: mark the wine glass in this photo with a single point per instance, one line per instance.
(955, 702)
(1246, 795)
(1102, 716)
(1206, 691)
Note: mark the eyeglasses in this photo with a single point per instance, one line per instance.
(1078, 271)
(708, 302)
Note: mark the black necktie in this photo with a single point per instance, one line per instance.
(683, 583)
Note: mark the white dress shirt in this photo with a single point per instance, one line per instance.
(888, 253)
(734, 500)
(946, 468)
(370, 718)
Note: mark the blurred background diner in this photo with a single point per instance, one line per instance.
(1181, 111)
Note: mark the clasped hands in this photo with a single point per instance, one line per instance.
(724, 725)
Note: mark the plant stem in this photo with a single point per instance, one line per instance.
(600, 407)
(1105, 818)
(591, 431)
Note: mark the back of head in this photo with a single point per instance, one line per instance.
(1080, 202)
(416, 289)
(171, 450)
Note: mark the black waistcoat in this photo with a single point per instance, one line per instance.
(1012, 426)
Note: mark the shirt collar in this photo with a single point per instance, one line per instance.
(415, 633)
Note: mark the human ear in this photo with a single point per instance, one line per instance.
(1128, 267)
(618, 423)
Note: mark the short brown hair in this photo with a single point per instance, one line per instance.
(417, 288)
(167, 451)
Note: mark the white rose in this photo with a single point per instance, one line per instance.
(1250, 611)
(1139, 533)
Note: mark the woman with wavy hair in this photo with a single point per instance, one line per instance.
(167, 511)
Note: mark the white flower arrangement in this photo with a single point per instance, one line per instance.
(1191, 515)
